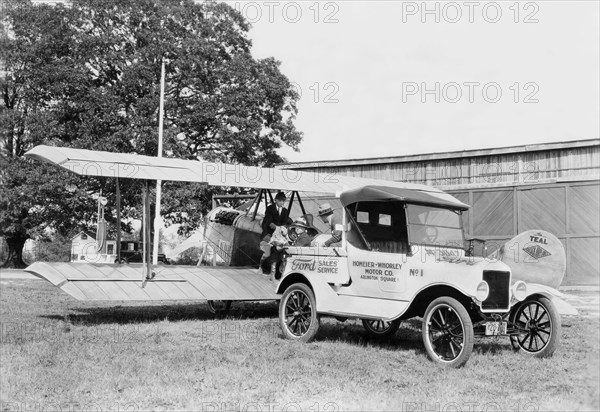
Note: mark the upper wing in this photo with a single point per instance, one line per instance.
(133, 166)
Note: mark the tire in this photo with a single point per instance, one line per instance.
(381, 328)
(219, 307)
(538, 327)
(298, 313)
(447, 332)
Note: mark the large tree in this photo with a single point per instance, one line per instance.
(87, 75)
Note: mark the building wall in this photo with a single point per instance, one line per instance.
(553, 187)
(506, 166)
(86, 250)
(83, 248)
(568, 210)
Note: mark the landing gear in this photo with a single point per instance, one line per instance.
(219, 307)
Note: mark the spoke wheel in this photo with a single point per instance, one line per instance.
(219, 307)
(381, 328)
(448, 332)
(537, 325)
(297, 313)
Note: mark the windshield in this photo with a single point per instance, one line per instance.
(434, 226)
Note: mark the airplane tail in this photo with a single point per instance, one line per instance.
(535, 256)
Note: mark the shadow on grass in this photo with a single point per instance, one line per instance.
(408, 336)
(174, 313)
(492, 346)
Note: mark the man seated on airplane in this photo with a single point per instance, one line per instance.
(326, 214)
(275, 215)
(301, 233)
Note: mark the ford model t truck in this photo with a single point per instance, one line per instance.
(402, 255)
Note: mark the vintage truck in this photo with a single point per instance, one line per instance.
(403, 255)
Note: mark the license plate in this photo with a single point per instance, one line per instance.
(495, 328)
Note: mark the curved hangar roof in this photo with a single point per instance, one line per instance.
(385, 193)
(132, 166)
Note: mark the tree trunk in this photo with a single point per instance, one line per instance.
(15, 252)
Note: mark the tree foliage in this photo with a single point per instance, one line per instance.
(87, 75)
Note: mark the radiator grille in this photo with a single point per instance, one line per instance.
(499, 296)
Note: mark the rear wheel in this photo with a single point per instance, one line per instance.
(448, 332)
(219, 307)
(537, 325)
(298, 313)
(381, 328)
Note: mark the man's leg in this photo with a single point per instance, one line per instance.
(275, 263)
(265, 246)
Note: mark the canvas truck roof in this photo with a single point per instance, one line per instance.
(387, 193)
(133, 166)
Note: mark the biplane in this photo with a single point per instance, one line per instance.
(402, 254)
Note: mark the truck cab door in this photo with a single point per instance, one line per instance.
(376, 273)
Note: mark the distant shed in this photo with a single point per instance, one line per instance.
(553, 186)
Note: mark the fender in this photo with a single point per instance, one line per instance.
(563, 307)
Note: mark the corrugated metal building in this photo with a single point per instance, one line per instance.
(553, 186)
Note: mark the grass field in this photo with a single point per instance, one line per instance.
(60, 354)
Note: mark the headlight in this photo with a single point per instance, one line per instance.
(483, 290)
(520, 290)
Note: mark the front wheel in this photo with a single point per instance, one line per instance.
(298, 313)
(537, 325)
(381, 328)
(448, 332)
(219, 307)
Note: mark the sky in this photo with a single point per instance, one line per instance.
(392, 78)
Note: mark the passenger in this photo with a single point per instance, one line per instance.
(275, 215)
(301, 233)
(326, 214)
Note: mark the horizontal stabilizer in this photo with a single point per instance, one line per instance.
(111, 282)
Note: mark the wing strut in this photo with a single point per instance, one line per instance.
(291, 202)
(301, 204)
(266, 201)
(147, 261)
(118, 195)
(257, 203)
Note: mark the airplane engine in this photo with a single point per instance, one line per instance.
(535, 256)
(234, 236)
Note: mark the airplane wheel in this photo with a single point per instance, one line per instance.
(381, 328)
(219, 307)
(538, 327)
(448, 332)
(298, 313)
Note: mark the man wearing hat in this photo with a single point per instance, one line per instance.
(275, 215)
(326, 214)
